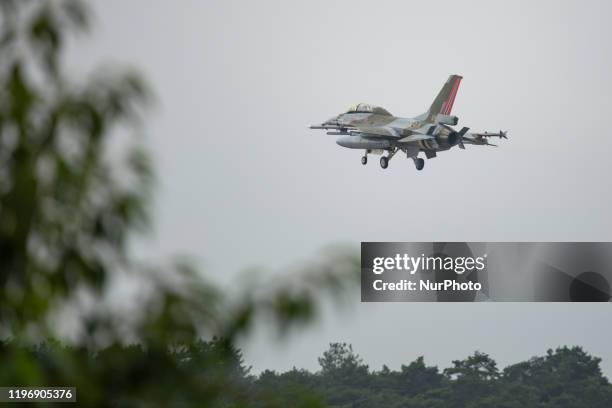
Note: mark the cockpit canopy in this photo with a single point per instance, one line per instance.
(367, 108)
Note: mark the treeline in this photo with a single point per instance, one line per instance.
(213, 373)
(563, 378)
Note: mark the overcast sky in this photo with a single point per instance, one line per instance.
(243, 182)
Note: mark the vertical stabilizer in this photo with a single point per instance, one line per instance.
(446, 98)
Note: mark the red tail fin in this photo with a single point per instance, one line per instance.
(443, 104)
(447, 106)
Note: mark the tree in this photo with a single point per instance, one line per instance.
(478, 366)
(340, 361)
(68, 209)
(473, 379)
(565, 377)
(343, 375)
(66, 214)
(297, 388)
(474, 382)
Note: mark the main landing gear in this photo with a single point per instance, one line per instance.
(419, 163)
(384, 160)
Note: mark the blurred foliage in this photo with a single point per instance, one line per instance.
(69, 206)
(199, 373)
(65, 216)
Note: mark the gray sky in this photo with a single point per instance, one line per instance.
(243, 182)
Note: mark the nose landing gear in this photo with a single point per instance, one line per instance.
(364, 159)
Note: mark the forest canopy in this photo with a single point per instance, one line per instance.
(214, 373)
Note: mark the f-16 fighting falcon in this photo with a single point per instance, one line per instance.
(375, 130)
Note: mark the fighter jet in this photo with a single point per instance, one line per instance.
(375, 130)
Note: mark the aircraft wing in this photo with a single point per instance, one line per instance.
(389, 133)
(415, 137)
(383, 134)
(376, 131)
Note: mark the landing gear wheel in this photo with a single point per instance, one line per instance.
(384, 162)
(419, 163)
(364, 160)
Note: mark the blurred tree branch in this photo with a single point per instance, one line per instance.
(68, 210)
